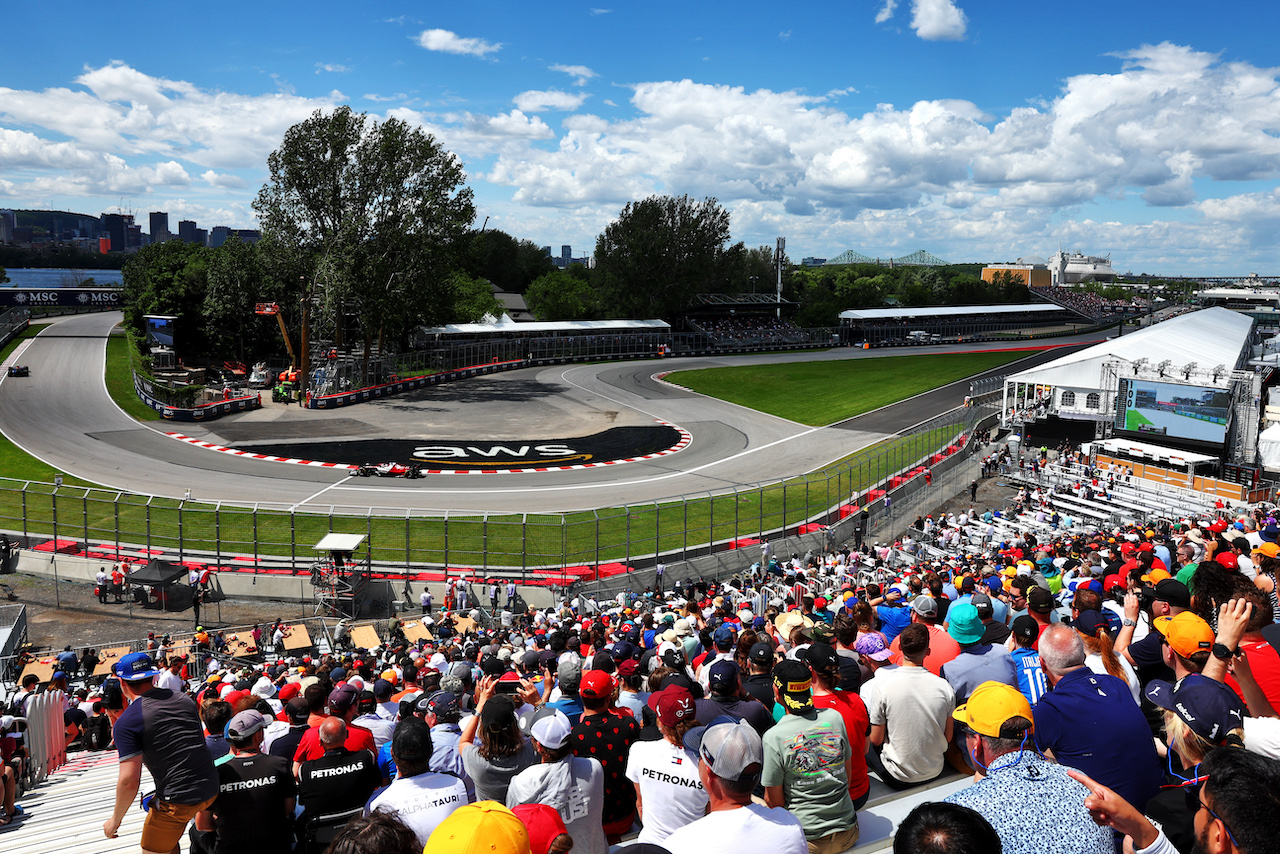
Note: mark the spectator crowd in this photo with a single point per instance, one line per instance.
(1057, 689)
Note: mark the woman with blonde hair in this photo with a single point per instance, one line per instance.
(1100, 654)
(1201, 715)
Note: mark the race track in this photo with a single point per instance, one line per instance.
(63, 415)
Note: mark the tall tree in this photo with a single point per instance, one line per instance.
(659, 253)
(377, 211)
(170, 279)
(562, 296)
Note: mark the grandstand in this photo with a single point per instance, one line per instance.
(887, 326)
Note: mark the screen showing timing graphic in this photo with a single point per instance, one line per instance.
(1154, 409)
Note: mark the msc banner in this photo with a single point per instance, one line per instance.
(330, 400)
(208, 412)
(62, 297)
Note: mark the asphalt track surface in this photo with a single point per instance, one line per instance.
(63, 415)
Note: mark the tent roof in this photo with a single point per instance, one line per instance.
(1209, 337)
(506, 324)
(158, 573)
(950, 311)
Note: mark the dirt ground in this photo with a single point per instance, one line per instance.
(72, 614)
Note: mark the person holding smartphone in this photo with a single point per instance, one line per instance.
(503, 751)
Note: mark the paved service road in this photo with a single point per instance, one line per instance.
(63, 415)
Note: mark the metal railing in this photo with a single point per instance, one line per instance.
(100, 524)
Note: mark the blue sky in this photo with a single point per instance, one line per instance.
(979, 131)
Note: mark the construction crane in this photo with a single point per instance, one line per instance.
(290, 376)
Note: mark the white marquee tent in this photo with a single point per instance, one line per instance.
(1072, 386)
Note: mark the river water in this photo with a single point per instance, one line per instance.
(31, 277)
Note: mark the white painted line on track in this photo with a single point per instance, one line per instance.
(310, 498)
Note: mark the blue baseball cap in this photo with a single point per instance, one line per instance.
(1209, 708)
(723, 636)
(135, 667)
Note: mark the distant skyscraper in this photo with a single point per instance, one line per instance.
(187, 230)
(115, 227)
(566, 254)
(159, 227)
(202, 236)
(218, 236)
(8, 222)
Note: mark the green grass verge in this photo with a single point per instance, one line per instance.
(513, 540)
(818, 393)
(120, 380)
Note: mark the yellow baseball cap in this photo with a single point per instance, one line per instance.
(990, 705)
(485, 827)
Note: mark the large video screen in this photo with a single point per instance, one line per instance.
(1153, 409)
(160, 330)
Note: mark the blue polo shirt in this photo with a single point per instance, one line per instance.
(1090, 722)
(893, 620)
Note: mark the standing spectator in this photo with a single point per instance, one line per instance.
(602, 733)
(253, 812)
(731, 761)
(669, 791)
(422, 798)
(103, 580)
(492, 748)
(1090, 721)
(910, 713)
(571, 785)
(806, 763)
(159, 729)
(425, 601)
(1027, 799)
(171, 676)
(894, 616)
(442, 713)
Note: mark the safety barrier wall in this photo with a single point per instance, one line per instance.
(208, 412)
(545, 548)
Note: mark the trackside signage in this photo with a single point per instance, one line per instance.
(62, 297)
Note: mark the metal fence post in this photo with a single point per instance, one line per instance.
(53, 555)
(84, 510)
(115, 504)
(25, 535)
(149, 500)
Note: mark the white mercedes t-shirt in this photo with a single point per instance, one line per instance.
(754, 827)
(671, 794)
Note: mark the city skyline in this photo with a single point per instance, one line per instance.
(980, 132)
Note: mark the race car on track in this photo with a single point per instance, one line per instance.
(390, 470)
(19, 371)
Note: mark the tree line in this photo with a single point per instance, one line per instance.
(368, 231)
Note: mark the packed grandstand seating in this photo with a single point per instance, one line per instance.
(1048, 675)
(1086, 303)
(749, 331)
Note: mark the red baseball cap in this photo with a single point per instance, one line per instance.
(673, 705)
(595, 685)
(1111, 582)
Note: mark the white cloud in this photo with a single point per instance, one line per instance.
(599, 11)
(331, 67)
(222, 180)
(535, 101)
(445, 41)
(379, 99)
(784, 35)
(886, 11)
(938, 20)
(580, 73)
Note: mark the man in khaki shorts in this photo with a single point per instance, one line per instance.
(161, 730)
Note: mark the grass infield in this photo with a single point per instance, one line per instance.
(817, 393)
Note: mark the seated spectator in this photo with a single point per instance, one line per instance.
(938, 827)
(824, 665)
(1026, 660)
(977, 662)
(1090, 722)
(728, 698)
(806, 763)
(1235, 808)
(547, 833)
(942, 648)
(1025, 798)
(731, 762)
(339, 779)
(216, 714)
(910, 714)
(421, 797)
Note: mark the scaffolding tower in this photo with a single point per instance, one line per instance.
(339, 578)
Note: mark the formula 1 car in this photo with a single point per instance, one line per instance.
(390, 470)
(19, 371)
